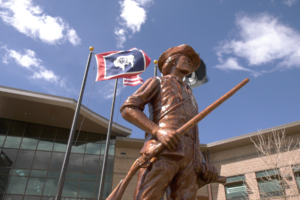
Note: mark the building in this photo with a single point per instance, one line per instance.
(34, 129)
(236, 158)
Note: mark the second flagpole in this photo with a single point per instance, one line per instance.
(63, 172)
(101, 185)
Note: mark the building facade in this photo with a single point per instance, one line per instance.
(34, 130)
(238, 160)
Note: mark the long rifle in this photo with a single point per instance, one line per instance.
(118, 192)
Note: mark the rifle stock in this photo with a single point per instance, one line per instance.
(118, 192)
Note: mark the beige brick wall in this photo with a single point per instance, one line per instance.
(245, 161)
(238, 161)
(121, 167)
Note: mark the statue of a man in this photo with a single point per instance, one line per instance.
(171, 104)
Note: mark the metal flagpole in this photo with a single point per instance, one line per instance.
(155, 67)
(72, 132)
(101, 186)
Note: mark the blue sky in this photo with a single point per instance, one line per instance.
(44, 47)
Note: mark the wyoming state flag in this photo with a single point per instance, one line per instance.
(121, 64)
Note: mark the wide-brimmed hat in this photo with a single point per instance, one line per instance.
(183, 49)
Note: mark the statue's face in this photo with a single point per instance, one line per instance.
(184, 64)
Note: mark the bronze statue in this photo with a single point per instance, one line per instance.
(180, 168)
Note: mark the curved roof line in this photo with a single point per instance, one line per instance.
(64, 102)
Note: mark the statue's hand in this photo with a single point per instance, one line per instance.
(168, 137)
(209, 173)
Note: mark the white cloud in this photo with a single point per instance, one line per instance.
(107, 91)
(133, 15)
(261, 40)
(289, 2)
(29, 61)
(30, 20)
(231, 64)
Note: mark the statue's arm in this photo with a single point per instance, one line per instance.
(132, 109)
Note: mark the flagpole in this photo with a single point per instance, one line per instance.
(72, 132)
(155, 67)
(101, 185)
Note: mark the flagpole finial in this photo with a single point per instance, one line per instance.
(155, 62)
(91, 48)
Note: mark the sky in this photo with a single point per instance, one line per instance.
(44, 47)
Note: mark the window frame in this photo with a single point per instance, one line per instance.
(241, 182)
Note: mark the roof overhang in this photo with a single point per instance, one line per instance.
(243, 140)
(53, 111)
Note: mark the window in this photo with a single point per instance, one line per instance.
(269, 183)
(31, 157)
(297, 176)
(235, 188)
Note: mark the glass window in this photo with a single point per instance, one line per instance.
(53, 174)
(103, 145)
(78, 148)
(8, 157)
(70, 188)
(2, 138)
(17, 185)
(106, 189)
(87, 189)
(235, 188)
(31, 198)
(111, 150)
(5, 171)
(17, 128)
(75, 162)
(28, 143)
(56, 161)
(267, 173)
(93, 148)
(24, 159)
(13, 197)
(91, 177)
(12, 142)
(20, 172)
(62, 134)
(50, 187)
(4, 125)
(3, 183)
(270, 188)
(73, 175)
(45, 145)
(41, 160)
(60, 146)
(90, 164)
(50, 198)
(237, 191)
(110, 165)
(108, 177)
(269, 183)
(100, 164)
(48, 132)
(35, 186)
(32, 130)
(38, 173)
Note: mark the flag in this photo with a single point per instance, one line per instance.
(121, 64)
(133, 81)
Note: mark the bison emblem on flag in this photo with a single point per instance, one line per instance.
(121, 64)
(121, 61)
